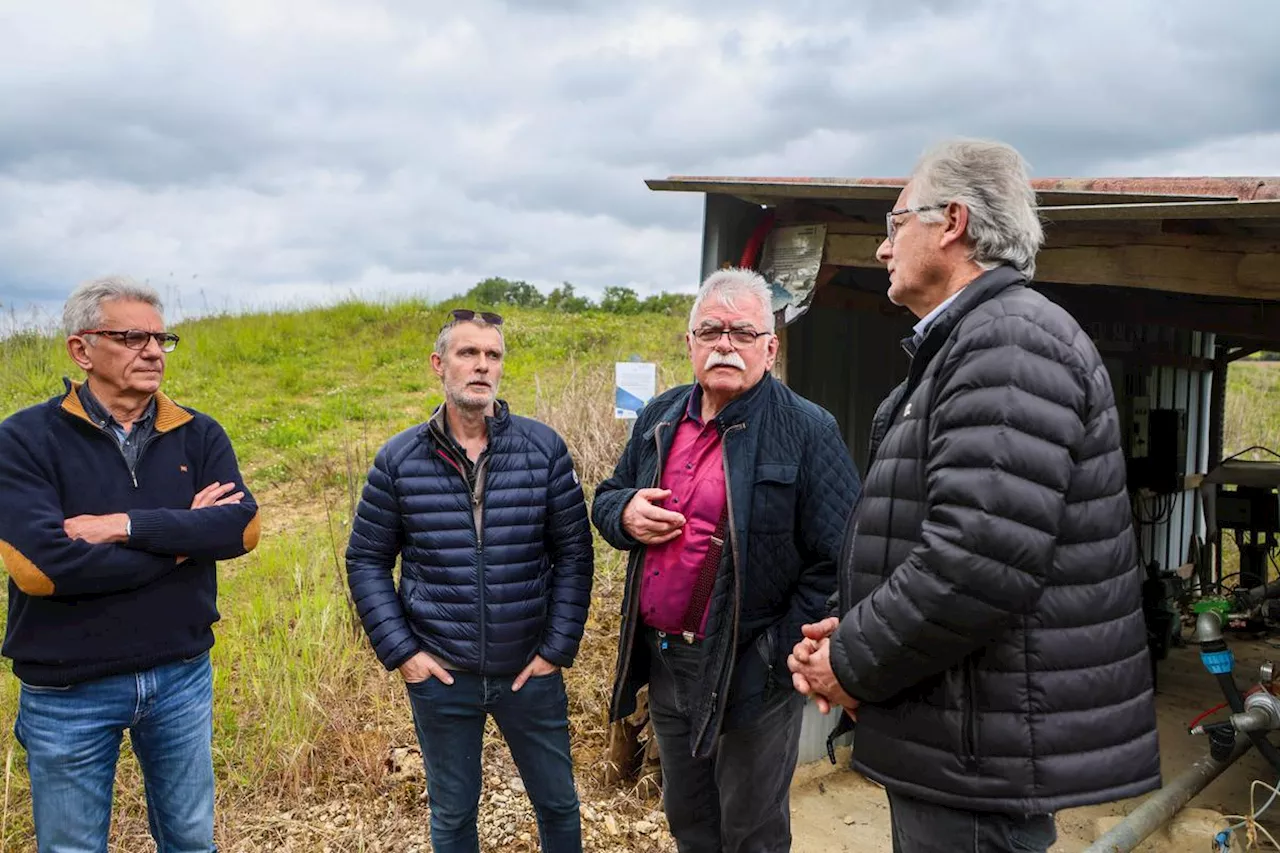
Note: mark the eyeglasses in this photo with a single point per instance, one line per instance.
(892, 227)
(737, 337)
(136, 338)
(465, 314)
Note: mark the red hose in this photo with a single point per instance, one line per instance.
(1216, 708)
(751, 252)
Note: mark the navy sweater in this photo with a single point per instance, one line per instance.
(79, 611)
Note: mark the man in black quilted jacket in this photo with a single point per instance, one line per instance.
(487, 516)
(991, 643)
(730, 497)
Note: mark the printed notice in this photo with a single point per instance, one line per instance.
(790, 261)
(635, 384)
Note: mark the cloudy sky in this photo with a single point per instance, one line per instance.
(252, 153)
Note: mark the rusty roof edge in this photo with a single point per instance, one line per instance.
(1244, 188)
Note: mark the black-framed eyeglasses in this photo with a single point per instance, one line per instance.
(465, 314)
(737, 337)
(136, 338)
(891, 227)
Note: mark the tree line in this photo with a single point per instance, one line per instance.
(615, 300)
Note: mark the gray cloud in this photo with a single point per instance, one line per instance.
(245, 155)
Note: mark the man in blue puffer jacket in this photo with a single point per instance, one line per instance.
(487, 514)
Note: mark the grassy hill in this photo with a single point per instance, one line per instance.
(303, 711)
(307, 398)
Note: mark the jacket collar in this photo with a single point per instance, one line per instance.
(439, 430)
(739, 409)
(986, 286)
(169, 415)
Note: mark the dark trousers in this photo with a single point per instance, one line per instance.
(738, 799)
(449, 720)
(920, 827)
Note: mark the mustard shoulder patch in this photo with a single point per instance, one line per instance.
(253, 532)
(25, 573)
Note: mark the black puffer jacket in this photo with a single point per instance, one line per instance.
(791, 483)
(990, 585)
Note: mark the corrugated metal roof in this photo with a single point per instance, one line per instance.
(1052, 191)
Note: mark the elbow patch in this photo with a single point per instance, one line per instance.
(253, 532)
(26, 575)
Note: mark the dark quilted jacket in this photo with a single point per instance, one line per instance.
(993, 622)
(791, 484)
(484, 600)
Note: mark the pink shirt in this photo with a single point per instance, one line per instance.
(694, 472)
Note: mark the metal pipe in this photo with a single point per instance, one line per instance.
(1208, 628)
(1160, 807)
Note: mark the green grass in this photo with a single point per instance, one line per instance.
(1253, 408)
(307, 397)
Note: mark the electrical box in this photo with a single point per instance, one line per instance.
(1157, 448)
(1139, 429)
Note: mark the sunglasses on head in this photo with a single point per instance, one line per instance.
(465, 314)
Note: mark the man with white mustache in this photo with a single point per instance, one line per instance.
(731, 497)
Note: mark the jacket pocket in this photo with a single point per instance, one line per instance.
(767, 647)
(773, 506)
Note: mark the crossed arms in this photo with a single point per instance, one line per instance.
(48, 554)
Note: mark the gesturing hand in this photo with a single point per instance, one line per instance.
(537, 666)
(422, 667)
(649, 523)
(215, 494)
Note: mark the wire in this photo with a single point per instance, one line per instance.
(1216, 708)
(1253, 829)
(1203, 714)
(1250, 824)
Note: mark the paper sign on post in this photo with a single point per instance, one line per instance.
(635, 384)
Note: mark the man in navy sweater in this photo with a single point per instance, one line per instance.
(115, 503)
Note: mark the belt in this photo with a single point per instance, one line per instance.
(665, 638)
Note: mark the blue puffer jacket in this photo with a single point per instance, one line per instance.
(486, 583)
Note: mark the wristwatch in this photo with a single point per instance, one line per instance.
(128, 527)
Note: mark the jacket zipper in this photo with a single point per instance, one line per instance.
(477, 504)
(969, 735)
(132, 469)
(635, 570)
(477, 519)
(720, 693)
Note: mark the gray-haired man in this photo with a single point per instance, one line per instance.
(115, 504)
(730, 497)
(991, 643)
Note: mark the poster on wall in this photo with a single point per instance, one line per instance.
(789, 262)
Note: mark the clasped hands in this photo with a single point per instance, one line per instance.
(811, 673)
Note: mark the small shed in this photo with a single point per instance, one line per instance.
(1174, 278)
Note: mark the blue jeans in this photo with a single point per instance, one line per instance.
(449, 720)
(72, 738)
